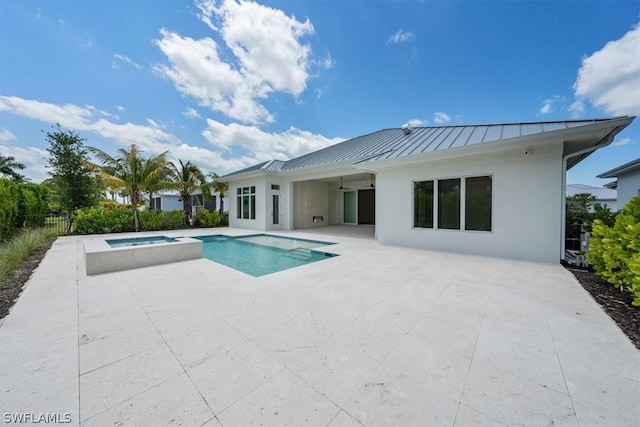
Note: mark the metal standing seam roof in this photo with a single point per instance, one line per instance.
(394, 143)
(599, 193)
(620, 170)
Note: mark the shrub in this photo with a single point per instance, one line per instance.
(32, 205)
(10, 196)
(150, 220)
(614, 251)
(206, 219)
(172, 220)
(100, 220)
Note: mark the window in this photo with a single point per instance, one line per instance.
(449, 204)
(423, 204)
(156, 204)
(477, 203)
(476, 193)
(210, 203)
(275, 186)
(246, 202)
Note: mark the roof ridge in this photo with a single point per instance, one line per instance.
(595, 119)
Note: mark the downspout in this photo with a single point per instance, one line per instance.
(563, 224)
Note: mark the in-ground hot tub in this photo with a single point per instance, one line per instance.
(107, 255)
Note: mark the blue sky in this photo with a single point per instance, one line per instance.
(227, 84)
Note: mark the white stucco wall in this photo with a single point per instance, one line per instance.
(310, 198)
(284, 193)
(526, 208)
(628, 187)
(260, 222)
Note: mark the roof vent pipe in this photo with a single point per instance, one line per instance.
(406, 128)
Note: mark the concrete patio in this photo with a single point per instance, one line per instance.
(378, 336)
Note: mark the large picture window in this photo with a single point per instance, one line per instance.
(438, 203)
(423, 204)
(449, 204)
(477, 203)
(246, 202)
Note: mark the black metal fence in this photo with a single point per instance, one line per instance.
(58, 223)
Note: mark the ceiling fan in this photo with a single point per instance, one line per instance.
(372, 184)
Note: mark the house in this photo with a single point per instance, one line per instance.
(171, 201)
(604, 197)
(494, 190)
(628, 182)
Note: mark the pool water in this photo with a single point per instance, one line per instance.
(258, 255)
(136, 241)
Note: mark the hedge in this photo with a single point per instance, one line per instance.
(20, 202)
(206, 219)
(614, 251)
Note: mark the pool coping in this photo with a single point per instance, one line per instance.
(100, 257)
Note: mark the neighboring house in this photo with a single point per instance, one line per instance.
(628, 182)
(605, 197)
(493, 190)
(170, 201)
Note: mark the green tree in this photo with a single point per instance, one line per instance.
(72, 178)
(220, 187)
(8, 166)
(578, 215)
(187, 180)
(135, 174)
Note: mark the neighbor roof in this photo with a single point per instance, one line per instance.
(599, 193)
(395, 143)
(620, 170)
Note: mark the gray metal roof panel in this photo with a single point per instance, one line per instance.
(622, 169)
(599, 193)
(393, 143)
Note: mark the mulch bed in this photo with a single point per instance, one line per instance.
(616, 303)
(11, 286)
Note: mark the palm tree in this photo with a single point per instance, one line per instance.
(134, 174)
(8, 165)
(221, 188)
(187, 179)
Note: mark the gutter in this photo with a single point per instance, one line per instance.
(563, 226)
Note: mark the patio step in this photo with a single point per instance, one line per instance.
(299, 253)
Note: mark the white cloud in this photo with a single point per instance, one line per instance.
(265, 145)
(120, 108)
(548, 104)
(610, 78)
(577, 108)
(31, 157)
(152, 138)
(268, 56)
(400, 36)
(325, 63)
(6, 135)
(124, 59)
(417, 122)
(191, 113)
(623, 141)
(441, 118)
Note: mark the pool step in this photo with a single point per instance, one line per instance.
(299, 253)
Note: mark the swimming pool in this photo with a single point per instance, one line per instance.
(261, 254)
(136, 241)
